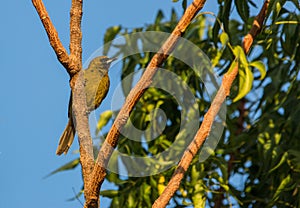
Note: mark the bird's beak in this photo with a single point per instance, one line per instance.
(111, 60)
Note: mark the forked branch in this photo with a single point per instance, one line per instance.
(73, 65)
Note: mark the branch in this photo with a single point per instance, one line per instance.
(209, 117)
(111, 141)
(73, 65)
(256, 27)
(75, 36)
(79, 105)
(54, 40)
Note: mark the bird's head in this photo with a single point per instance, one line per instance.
(101, 62)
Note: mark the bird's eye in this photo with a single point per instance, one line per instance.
(105, 60)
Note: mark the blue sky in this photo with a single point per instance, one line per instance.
(35, 92)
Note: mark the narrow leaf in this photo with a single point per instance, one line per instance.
(110, 34)
(282, 160)
(261, 68)
(215, 32)
(245, 82)
(226, 14)
(232, 66)
(240, 54)
(159, 17)
(243, 9)
(184, 5)
(67, 166)
(281, 187)
(109, 193)
(103, 120)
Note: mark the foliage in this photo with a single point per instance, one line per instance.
(257, 161)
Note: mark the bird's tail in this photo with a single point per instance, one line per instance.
(66, 138)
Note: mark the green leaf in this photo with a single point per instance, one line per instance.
(216, 59)
(278, 8)
(224, 169)
(215, 32)
(243, 9)
(240, 54)
(286, 22)
(109, 193)
(184, 5)
(174, 17)
(226, 14)
(232, 66)
(202, 25)
(159, 17)
(110, 34)
(245, 82)
(261, 68)
(281, 187)
(113, 177)
(252, 3)
(224, 38)
(199, 196)
(146, 192)
(103, 120)
(283, 159)
(131, 200)
(67, 166)
(128, 68)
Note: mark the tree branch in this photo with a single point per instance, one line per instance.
(209, 117)
(75, 36)
(111, 141)
(256, 27)
(54, 40)
(73, 65)
(79, 105)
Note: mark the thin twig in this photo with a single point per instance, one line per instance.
(106, 150)
(209, 117)
(76, 196)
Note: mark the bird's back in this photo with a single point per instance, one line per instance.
(96, 87)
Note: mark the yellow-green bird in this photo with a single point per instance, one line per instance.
(96, 88)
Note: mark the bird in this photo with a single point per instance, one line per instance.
(96, 87)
